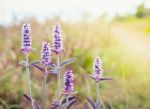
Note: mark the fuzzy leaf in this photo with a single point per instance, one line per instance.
(91, 77)
(71, 103)
(38, 67)
(70, 99)
(52, 71)
(27, 97)
(52, 65)
(23, 62)
(37, 105)
(106, 78)
(91, 102)
(66, 62)
(54, 105)
(98, 105)
(99, 79)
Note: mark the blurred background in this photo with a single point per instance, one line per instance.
(116, 30)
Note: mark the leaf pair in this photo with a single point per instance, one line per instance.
(93, 104)
(72, 100)
(52, 65)
(36, 65)
(99, 79)
(68, 61)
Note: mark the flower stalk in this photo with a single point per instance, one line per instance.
(57, 48)
(67, 101)
(58, 77)
(45, 60)
(25, 49)
(44, 89)
(28, 79)
(97, 92)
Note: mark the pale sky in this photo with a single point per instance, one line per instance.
(67, 9)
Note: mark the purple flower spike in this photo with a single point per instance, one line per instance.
(46, 54)
(57, 44)
(26, 39)
(68, 83)
(97, 69)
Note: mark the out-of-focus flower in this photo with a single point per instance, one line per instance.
(46, 54)
(97, 74)
(68, 82)
(57, 44)
(97, 68)
(26, 39)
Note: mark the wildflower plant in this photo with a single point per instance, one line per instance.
(57, 48)
(25, 49)
(97, 76)
(45, 60)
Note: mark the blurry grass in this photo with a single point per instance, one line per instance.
(82, 40)
(140, 25)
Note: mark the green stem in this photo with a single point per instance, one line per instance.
(67, 101)
(44, 89)
(58, 78)
(97, 92)
(28, 78)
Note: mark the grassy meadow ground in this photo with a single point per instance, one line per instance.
(124, 47)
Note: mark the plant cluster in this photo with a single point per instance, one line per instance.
(66, 97)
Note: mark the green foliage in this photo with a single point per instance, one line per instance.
(140, 10)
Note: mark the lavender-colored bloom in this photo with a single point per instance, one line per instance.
(26, 39)
(57, 44)
(97, 69)
(46, 54)
(68, 82)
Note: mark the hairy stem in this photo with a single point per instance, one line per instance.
(67, 101)
(44, 89)
(28, 79)
(97, 92)
(58, 78)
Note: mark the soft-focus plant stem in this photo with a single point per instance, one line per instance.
(58, 78)
(44, 89)
(28, 78)
(67, 101)
(97, 92)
